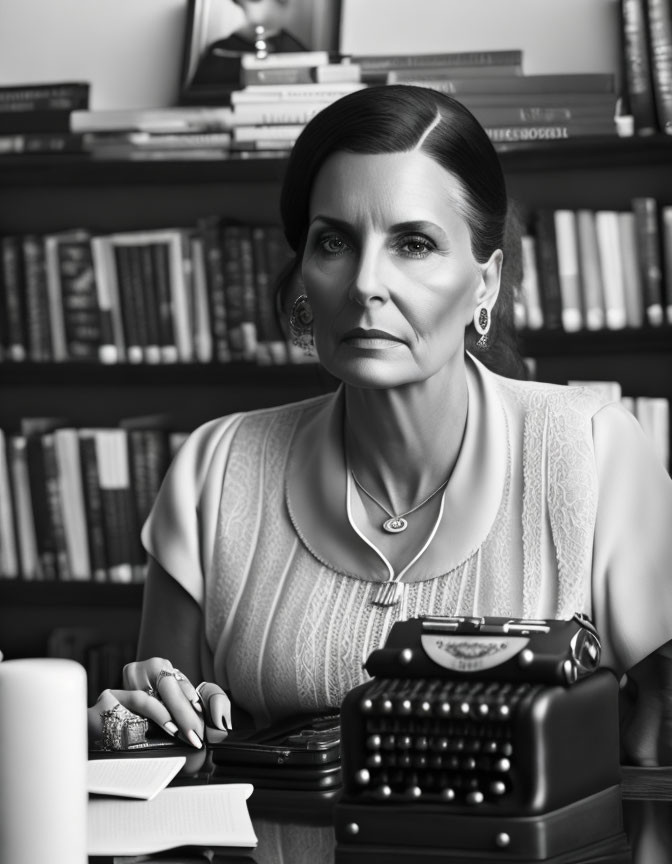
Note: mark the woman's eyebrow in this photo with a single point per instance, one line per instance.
(418, 226)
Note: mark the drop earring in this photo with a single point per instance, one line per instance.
(301, 325)
(482, 326)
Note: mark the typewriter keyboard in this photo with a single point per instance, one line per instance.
(439, 740)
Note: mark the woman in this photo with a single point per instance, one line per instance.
(286, 542)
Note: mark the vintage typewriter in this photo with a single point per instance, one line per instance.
(481, 740)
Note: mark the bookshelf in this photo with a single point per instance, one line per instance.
(42, 194)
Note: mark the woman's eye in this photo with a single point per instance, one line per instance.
(415, 247)
(332, 244)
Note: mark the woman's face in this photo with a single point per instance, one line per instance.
(388, 268)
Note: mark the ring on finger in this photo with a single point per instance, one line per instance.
(150, 691)
(168, 673)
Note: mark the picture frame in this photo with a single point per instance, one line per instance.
(313, 23)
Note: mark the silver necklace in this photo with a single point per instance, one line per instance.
(396, 523)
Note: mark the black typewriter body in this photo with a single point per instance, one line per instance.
(484, 736)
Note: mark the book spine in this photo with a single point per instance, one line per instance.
(38, 332)
(547, 266)
(233, 287)
(164, 301)
(59, 346)
(249, 290)
(214, 272)
(632, 283)
(112, 347)
(550, 131)
(58, 96)
(150, 298)
(129, 297)
(285, 60)
(568, 269)
(157, 454)
(94, 504)
(138, 465)
(264, 300)
(401, 76)
(202, 336)
(591, 270)
(608, 242)
(649, 247)
(12, 278)
(135, 296)
(179, 292)
(114, 486)
(530, 293)
(79, 295)
(660, 42)
(41, 142)
(66, 448)
(666, 236)
(23, 509)
(9, 553)
(277, 75)
(383, 62)
(584, 82)
(282, 113)
(636, 65)
(55, 506)
(313, 92)
(38, 121)
(517, 115)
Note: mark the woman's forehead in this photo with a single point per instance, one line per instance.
(391, 186)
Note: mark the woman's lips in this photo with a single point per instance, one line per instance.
(373, 338)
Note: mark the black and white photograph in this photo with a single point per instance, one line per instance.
(335, 474)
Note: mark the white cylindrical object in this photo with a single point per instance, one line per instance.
(43, 762)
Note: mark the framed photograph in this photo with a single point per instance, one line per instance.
(293, 24)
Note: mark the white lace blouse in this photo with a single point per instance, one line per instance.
(557, 504)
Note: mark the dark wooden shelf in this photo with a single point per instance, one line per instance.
(548, 343)
(82, 170)
(68, 594)
(177, 374)
(589, 153)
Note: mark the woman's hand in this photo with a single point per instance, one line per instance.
(171, 697)
(155, 690)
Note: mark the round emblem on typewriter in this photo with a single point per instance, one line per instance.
(395, 525)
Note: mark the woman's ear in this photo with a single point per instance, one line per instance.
(487, 290)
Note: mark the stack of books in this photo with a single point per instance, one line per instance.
(35, 118)
(603, 269)
(73, 500)
(276, 101)
(178, 295)
(280, 93)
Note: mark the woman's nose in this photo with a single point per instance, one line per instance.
(368, 283)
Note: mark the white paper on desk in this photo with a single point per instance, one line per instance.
(132, 778)
(180, 816)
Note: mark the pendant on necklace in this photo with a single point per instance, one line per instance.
(388, 594)
(395, 525)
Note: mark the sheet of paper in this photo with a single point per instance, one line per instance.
(208, 816)
(132, 778)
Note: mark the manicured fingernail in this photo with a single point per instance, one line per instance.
(194, 739)
(197, 704)
(227, 717)
(170, 728)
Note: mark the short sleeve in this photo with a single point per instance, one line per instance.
(632, 555)
(180, 530)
